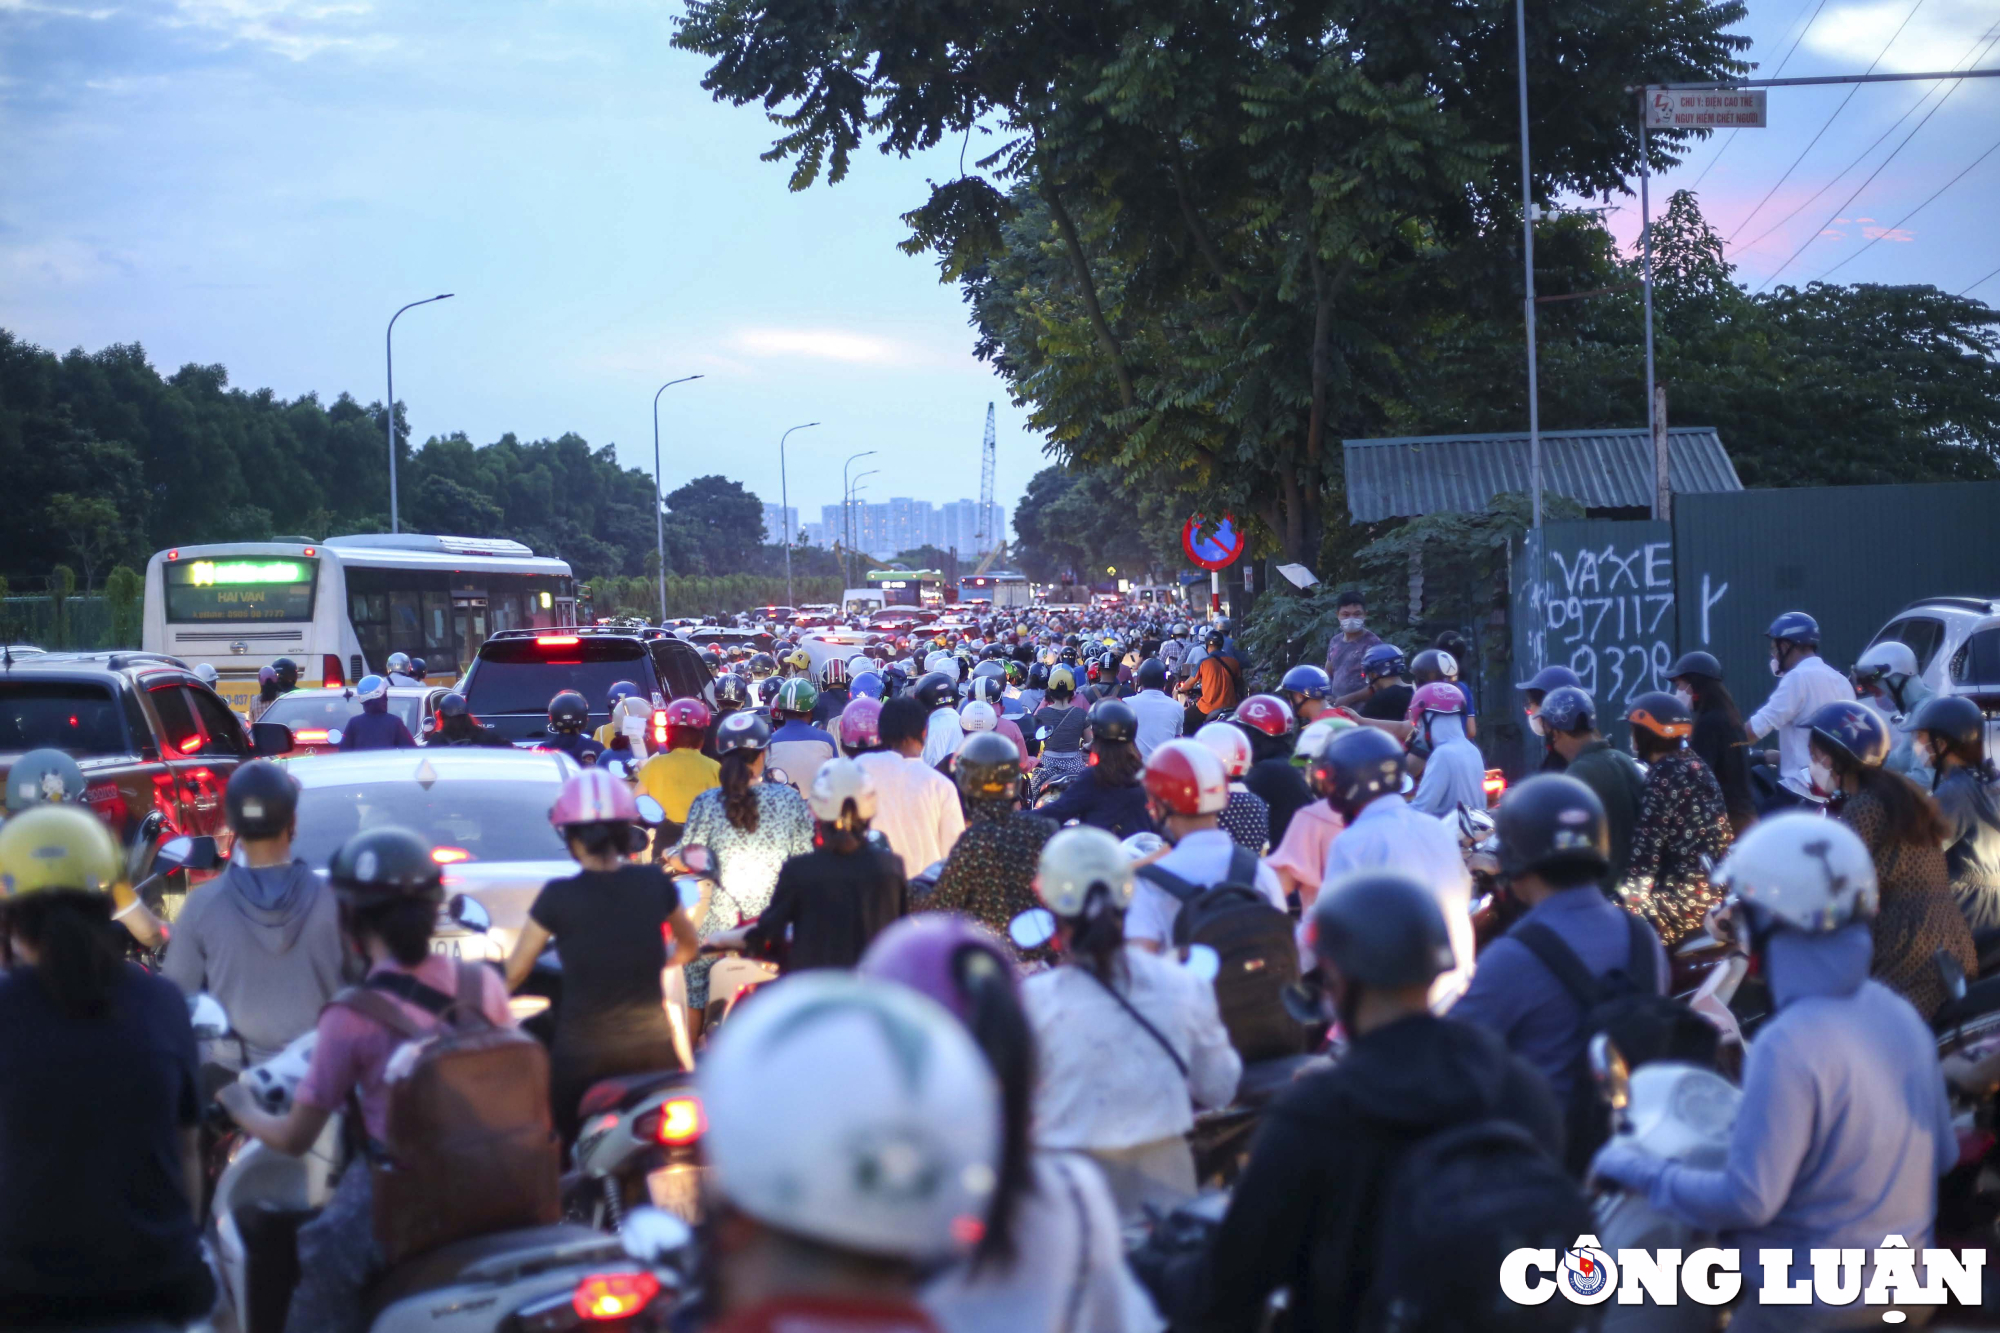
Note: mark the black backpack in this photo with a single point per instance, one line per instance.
(1626, 1005)
(1457, 1204)
(1258, 957)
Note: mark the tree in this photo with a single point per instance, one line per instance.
(722, 523)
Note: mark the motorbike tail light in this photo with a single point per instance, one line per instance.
(332, 676)
(682, 1121)
(604, 1296)
(1495, 785)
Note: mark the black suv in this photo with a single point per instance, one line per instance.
(518, 671)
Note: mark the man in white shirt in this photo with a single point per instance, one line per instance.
(1160, 718)
(917, 807)
(1364, 778)
(1186, 791)
(1805, 684)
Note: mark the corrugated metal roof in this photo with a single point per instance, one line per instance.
(1600, 469)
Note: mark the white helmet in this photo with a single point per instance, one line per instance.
(1316, 736)
(978, 715)
(1077, 860)
(900, 1152)
(1231, 746)
(838, 782)
(1803, 871)
(1887, 658)
(399, 662)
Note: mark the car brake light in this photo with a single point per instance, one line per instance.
(191, 744)
(330, 671)
(557, 640)
(309, 736)
(682, 1121)
(614, 1295)
(1495, 785)
(446, 856)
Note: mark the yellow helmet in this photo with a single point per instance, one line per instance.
(58, 847)
(799, 659)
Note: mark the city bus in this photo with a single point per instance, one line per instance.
(340, 607)
(908, 587)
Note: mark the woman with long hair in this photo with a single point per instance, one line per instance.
(1107, 794)
(1717, 738)
(1905, 836)
(750, 827)
(1131, 1043)
(1049, 1256)
(1061, 729)
(99, 1082)
(1950, 734)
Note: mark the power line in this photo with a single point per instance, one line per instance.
(1819, 230)
(1827, 124)
(1729, 139)
(1971, 57)
(1983, 281)
(1913, 212)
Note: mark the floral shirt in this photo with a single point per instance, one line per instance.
(1682, 818)
(746, 864)
(990, 875)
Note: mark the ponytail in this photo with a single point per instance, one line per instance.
(739, 796)
(78, 945)
(994, 1016)
(1097, 936)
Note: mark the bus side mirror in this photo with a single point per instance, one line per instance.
(270, 739)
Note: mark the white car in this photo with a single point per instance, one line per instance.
(1957, 645)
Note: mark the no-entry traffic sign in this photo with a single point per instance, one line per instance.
(1704, 109)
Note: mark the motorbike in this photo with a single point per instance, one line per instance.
(732, 978)
(640, 1144)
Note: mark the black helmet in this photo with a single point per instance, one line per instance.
(1431, 664)
(1067, 656)
(1381, 928)
(1552, 821)
(419, 668)
(742, 730)
(934, 689)
(261, 799)
(763, 664)
(731, 691)
(988, 767)
(43, 775)
(568, 713)
(1152, 674)
(382, 865)
(1113, 720)
(453, 705)
(1699, 664)
(1038, 676)
(1108, 663)
(1215, 639)
(1356, 767)
(1952, 716)
(767, 689)
(287, 671)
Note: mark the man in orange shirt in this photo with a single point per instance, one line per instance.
(1217, 683)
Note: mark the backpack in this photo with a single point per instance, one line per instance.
(1253, 940)
(1624, 1004)
(471, 1147)
(1459, 1201)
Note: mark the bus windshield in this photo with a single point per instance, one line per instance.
(246, 588)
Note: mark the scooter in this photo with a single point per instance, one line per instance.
(640, 1144)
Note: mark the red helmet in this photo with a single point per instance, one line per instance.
(1187, 778)
(691, 713)
(861, 724)
(1266, 713)
(1436, 697)
(594, 796)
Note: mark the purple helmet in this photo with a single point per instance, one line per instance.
(922, 953)
(861, 723)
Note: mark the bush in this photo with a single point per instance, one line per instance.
(702, 595)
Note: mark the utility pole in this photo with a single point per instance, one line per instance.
(389, 359)
(1528, 267)
(847, 518)
(660, 493)
(785, 508)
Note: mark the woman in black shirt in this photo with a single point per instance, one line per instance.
(1718, 733)
(1107, 794)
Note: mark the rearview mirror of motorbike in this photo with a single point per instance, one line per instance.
(186, 853)
(269, 739)
(468, 912)
(617, 768)
(1952, 972)
(1033, 928)
(689, 889)
(1203, 962)
(207, 1017)
(1614, 1081)
(1302, 1001)
(695, 857)
(654, 1235)
(777, 775)
(651, 812)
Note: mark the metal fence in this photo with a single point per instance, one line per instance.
(71, 623)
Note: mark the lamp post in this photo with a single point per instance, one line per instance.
(1528, 268)
(389, 359)
(846, 524)
(854, 496)
(660, 494)
(785, 507)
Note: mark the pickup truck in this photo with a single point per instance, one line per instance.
(155, 744)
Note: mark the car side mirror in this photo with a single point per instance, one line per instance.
(187, 853)
(207, 1017)
(468, 912)
(269, 739)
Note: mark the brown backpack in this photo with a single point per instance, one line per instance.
(471, 1147)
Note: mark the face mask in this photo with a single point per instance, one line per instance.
(1536, 725)
(1685, 696)
(1352, 624)
(1822, 778)
(1776, 670)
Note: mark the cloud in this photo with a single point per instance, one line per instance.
(1897, 234)
(1937, 37)
(827, 345)
(295, 29)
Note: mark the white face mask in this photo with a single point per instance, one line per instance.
(1353, 624)
(1685, 696)
(1822, 778)
(1536, 725)
(1776, 670)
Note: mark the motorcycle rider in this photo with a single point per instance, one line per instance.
(1683, 826)
(1885, 678)
(1160, 718)
(679, 773)
(1718, 732)
(798, 747)
(1246, 819)
(274, 681)
(1844, 1127)
(937, 690)
(99, 1097)
(400, 670)
(1130, 1043)
(917, 807)
(1267, 722)
(1187, 790)
(568, 716)
(389, 890)
(374, 727)
(990, 874)
(1107, 794)
(1346, 679)
(1950, 730)
(1310, 1208)
(1535, 690)
(1306, 688)
(457, 726)
(1217, 681)
(610, 732)
(1361, 772)
(1571, 718)
(1300, 858)
(1049, 1256)
(1805, 685)
(833, 1220)
(1454, 776)
(833, 692)
(263, 937)
(1389, 689)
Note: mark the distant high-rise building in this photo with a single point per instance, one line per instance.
(776, 525)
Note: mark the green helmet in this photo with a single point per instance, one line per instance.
(796, 695)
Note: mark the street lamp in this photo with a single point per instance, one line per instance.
(785, 507)
(389, 357)
(846, 525)
(853, 496)
(659, 493)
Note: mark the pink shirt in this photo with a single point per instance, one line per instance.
(1302, 854)
(1012, 731)
(353, 1050)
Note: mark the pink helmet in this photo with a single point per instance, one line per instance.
(689, 712)
(861, 723)
(1231, 746)
(594, 796)
(1436, 697)
(922, 952)
(1267, 713)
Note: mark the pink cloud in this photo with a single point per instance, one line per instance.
(1887, 234)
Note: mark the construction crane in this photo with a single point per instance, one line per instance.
(988, 541)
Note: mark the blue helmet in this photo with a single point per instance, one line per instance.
(1568, 708)
(1307, 679)
(1552, 678)
(1849, 727)
(865, 684)
(1795, 627)
(371, 687)
(623, 689)
(1384, 659)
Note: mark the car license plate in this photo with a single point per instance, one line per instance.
(462, 945)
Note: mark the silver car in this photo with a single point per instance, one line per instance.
(1956, 641)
